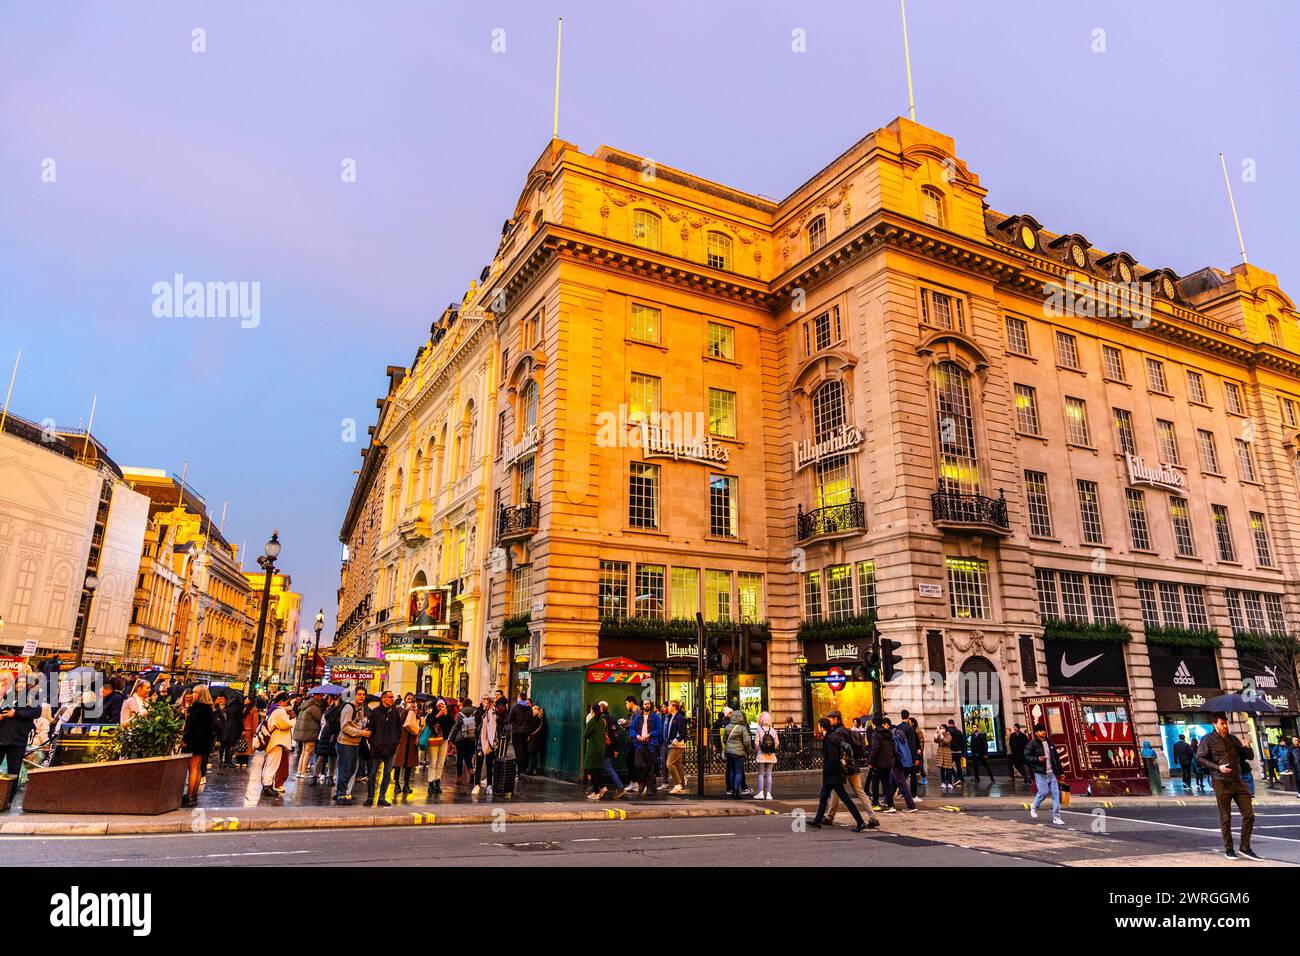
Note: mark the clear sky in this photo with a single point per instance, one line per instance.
(225, 165)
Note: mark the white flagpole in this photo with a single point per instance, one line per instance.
(559, 38)
(221, 528)
(85, 443)
(1241, 243)
(13, 375)
(907, 58)
(185, 469)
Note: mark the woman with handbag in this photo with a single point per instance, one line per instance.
(487, 742)
(244, 746)
(943, 748)
(198, 737)
(436, 731)
(407, 757)
(536, 741)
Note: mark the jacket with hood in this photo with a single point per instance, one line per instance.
(307, 726)
(881, 754)
(352, 720)
(739, 743)
(385, 730)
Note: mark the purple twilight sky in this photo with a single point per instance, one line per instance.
(225, 165)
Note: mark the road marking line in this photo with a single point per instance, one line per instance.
(691, 836)
(224, 823)
(951, 809)
(1179, 826)
(423, 818)
(616, 814)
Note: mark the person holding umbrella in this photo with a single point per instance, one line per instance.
(1222, 754)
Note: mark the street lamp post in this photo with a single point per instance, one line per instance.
(92, 582)
(266, 561)
(315, 654)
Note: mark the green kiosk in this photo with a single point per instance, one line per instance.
(566, 691)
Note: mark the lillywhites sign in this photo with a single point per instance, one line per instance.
(677, 649)
(835, 652)
(527, 444)
(1167, 477)
(1190, 701)
(846, 438)
(659, 443)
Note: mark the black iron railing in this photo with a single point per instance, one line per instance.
(831, 519)
(517, 521)
(971, 509)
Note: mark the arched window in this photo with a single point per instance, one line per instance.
(528, 406)
(955, 424)
(719, 250)
(932, 207)
(816, 234)
(645, 229)
(829, 409)
(1275, 331)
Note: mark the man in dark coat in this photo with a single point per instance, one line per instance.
(111, 701)
(18, 713)
(519, 722)
(979, 754)
(385, 731)
(837, 760)
(880, 761)
(1184, 756)
(1221, 754)
(1017, 741)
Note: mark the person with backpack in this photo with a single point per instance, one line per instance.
(856, 741)
(837, 760)
(485, 757)
(464, 735)
(897, 780)
(880, 763)
(768, 744)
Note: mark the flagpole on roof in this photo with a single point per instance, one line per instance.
(1241, 243)
(559, 38)
(907, 59)
(12, 375)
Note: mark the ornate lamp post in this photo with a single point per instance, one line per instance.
(315, 654)
(266, 561)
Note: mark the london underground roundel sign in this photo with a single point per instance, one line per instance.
(835, 679)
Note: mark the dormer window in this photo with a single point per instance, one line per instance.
(719, 251)
(816, 234)
(1275, 331)
(645, 229)
(932, 206)
(944, 311)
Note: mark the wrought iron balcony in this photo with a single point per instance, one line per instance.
(517, 521)
(973, 512)
(843, 518)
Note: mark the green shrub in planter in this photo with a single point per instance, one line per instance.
(155, 733)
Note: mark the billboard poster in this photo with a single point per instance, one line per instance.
(427, 608)
(831, 691)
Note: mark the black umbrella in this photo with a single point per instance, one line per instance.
(1243, 703)
(424, 697)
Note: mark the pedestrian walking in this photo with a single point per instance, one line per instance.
(407, 757)
(612, 748)
(1151, 760)
(18, 714)
(537, 740)
(323, 766)
(384, 732)
(252, 719)
(519, 721)
(737, 748)
(485, 757)
(306, 731)
(353, 729)
(646, 731)
(852, 771)
(943, 750)
(595, 738)
(276, 736)
(767, 745)
(915, 745)
(1184, 757)
(979, 754)
(464, 737)
(1221, 755)
(958, 738)
(674, 734)
(232, 732)
(1017, 741)
(437, 731)
(897, 782)
(1046, 764)
(837, 760)
(197, 739)
(1197, 769)
(1293, 763)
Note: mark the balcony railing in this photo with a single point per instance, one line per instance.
(831, 519)
(517, 521)
(972, 510)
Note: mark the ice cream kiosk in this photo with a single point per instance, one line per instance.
(1093, 733)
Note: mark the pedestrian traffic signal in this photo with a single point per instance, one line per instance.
(868, 666)
(890, 658)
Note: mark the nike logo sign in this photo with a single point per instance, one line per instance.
(1069, 670)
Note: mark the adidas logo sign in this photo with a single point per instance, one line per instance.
(1183, 676)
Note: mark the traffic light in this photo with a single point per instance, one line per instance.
(713, 653)
(890, 658)
(868, 666)
(744, 647)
